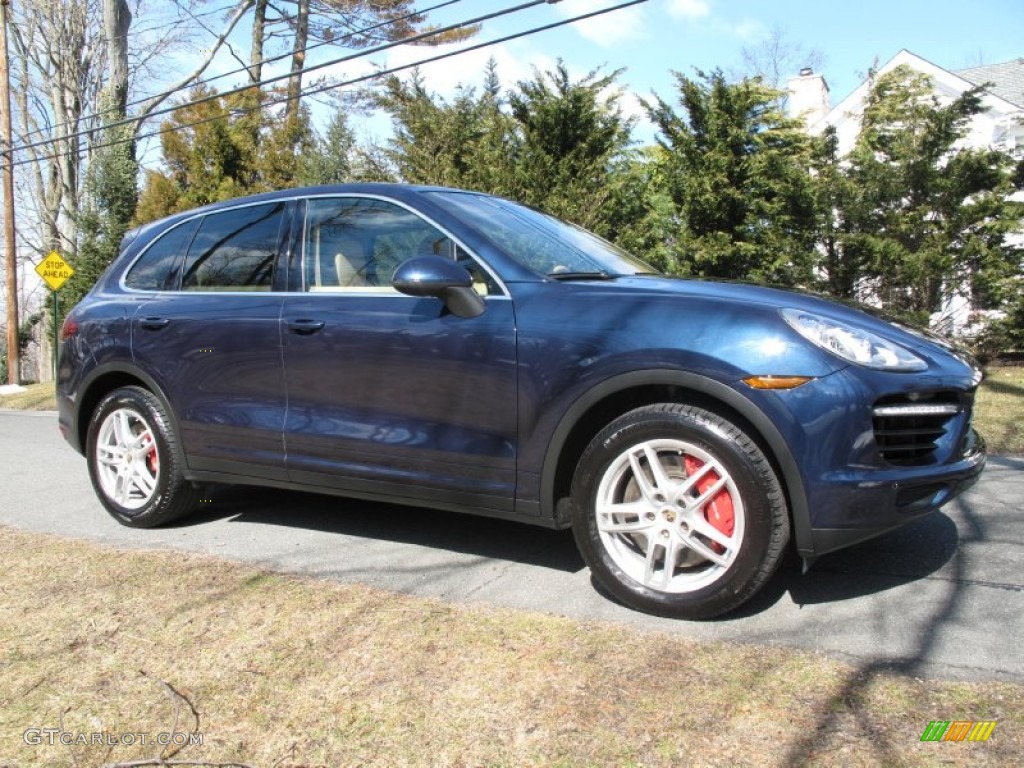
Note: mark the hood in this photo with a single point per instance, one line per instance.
(922, 341)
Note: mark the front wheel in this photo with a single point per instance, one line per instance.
(678, 512)
(133, 460)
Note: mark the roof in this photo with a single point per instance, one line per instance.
(1006, 80)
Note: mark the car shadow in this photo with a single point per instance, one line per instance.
(903, 556)
(899, 557)
(465, 534)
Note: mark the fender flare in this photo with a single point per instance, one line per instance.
(81, 422)
(716, 390)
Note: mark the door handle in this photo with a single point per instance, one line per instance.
(305, 327)
(154, 323)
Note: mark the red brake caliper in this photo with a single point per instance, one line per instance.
(154, 463)
(718, 511)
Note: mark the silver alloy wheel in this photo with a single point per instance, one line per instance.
(127, 462)
(652, 512)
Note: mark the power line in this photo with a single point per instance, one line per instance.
(286, 76)
(353, 81)
(272, 59)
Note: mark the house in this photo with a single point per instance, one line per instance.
(1000, 126)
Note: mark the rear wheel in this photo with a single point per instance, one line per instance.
(133, 460)
(678, 512)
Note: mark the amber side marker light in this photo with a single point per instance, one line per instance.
(776, 382)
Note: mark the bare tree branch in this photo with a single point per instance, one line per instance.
(152, 104)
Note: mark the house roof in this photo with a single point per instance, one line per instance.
(1006, 79)
(1003, 76)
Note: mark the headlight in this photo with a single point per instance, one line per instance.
(853, 344)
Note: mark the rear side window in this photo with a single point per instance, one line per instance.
(235, 250)
(160, 266)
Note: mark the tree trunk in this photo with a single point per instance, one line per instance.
(116, 21)
(298, 61)
(258, 37)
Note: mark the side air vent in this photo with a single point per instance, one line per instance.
(908, 427)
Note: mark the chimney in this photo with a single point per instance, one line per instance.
(808, 97)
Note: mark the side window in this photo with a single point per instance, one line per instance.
(358, 243)
(160, 266)
(235, 250)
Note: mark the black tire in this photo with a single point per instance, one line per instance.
(142, 486)
(715, 552)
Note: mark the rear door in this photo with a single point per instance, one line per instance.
(391, 394)
(212, 341)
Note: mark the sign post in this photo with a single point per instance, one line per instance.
(55, 271)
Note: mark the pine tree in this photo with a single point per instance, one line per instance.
(571, 135)
(737, 171)
(925, 215)
(329, 159)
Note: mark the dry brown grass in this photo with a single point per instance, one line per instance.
(36, 397)
(999, 413)
(291, 671)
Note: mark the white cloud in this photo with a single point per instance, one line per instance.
(608, 29)
(689, 9)
(515, 61)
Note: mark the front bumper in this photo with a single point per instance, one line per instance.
(864, 474)
(871, 503)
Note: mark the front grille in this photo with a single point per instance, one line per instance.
(908, 427)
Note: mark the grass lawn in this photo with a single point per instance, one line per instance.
(36, 397)
(999, 410)
(277, 670)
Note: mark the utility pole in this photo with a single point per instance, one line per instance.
(7, 157)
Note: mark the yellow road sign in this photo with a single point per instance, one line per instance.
(54, 270)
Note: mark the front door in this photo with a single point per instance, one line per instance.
(390, 394)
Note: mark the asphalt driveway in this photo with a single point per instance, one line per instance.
(941, 598)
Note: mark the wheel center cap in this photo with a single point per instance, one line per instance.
(669, 515)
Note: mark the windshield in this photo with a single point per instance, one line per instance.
(541, 243)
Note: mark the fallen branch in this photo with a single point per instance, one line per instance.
(160, 761)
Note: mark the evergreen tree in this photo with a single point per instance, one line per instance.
(551, 143)
(571, 134)
(329, 159)
(433, 140)
(923, 215)
(737, 171)
(224, 148)
(209, 155)
(641, 215)
(111, 193)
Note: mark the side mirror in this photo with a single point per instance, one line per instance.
(441, 278)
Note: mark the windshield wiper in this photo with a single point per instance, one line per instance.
(580, 276)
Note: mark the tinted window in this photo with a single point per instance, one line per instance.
(160, 266)
(358, 243)
(235, 250)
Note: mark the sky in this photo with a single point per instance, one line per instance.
(650, 40)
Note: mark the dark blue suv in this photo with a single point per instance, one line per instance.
(454, 350)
